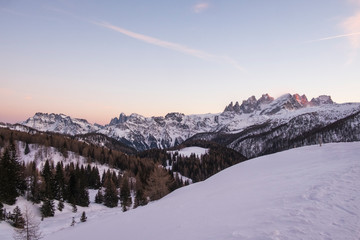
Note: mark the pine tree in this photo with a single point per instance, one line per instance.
(48, 181)
(48, 208)
(34, 193)
(83, 217)
(60, 206)
(99, 197)
(1, 212)
(27, 149)
(83, 198)
(140, 199)
(17, 218)
(11, 176)
(125, 197)
(31, 230)
(73, 222)
(19, 170)
(73, 188)
(94, 179)
(59, 182)
(74, 208)
(111, 195)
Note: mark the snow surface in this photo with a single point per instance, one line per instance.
(186, 152)
(39, 154)
(305, 193)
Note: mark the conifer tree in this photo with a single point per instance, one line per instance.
(1, 212)
(19, 170)
(17, 218)
(99, 197)
(59, 182)
(46, 173)
(83, 198)
(111, 194)
(31, 230)
(34, 194)
(73, 188)
(11, 176)
(74, 208)
(48, 209)
(94, 179)
(60, 205)
(158, 184)
(73, 222)
(27, 149)
(125, 197)
(140, 199)
(83, 217)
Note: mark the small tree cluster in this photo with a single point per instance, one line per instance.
(30, 229)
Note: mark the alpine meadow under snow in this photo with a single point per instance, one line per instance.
(304, 193)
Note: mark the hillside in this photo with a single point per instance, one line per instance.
(304, 193)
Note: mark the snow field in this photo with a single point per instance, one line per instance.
(186, 152)
(305, 193)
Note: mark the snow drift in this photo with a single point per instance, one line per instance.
(304, 193)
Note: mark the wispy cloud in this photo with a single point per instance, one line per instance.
(351, 25)
(334, 37)
(200, 7)
(161, 43)
(351, 28)
(173, 46)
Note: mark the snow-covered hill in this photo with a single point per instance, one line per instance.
(234, 128)
(305, 193)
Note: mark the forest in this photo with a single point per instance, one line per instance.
(131, 180)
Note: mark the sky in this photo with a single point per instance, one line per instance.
(96, 59)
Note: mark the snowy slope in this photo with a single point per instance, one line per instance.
(305, 193)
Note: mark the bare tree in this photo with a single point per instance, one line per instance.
(31, 230)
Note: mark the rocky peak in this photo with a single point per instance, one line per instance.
(229, 108)
(265, 99)
(302, 100)
(322, 99)
(175, 116)
(237, 107)
(249, 105)
(122, 118)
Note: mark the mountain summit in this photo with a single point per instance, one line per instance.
(268, 105)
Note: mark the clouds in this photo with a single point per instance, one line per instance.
(173, 46)
(200, 7)
(351, 26)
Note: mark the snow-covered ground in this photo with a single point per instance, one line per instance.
(39, 154)
(305, 193)
(186, 152)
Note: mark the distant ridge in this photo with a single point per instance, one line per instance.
(254, 127)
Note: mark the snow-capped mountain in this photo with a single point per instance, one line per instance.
(60, 123)
(255, 127)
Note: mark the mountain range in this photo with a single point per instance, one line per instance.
(255, 127)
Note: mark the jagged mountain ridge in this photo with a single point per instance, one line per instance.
(144, 133)
(60, 123)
